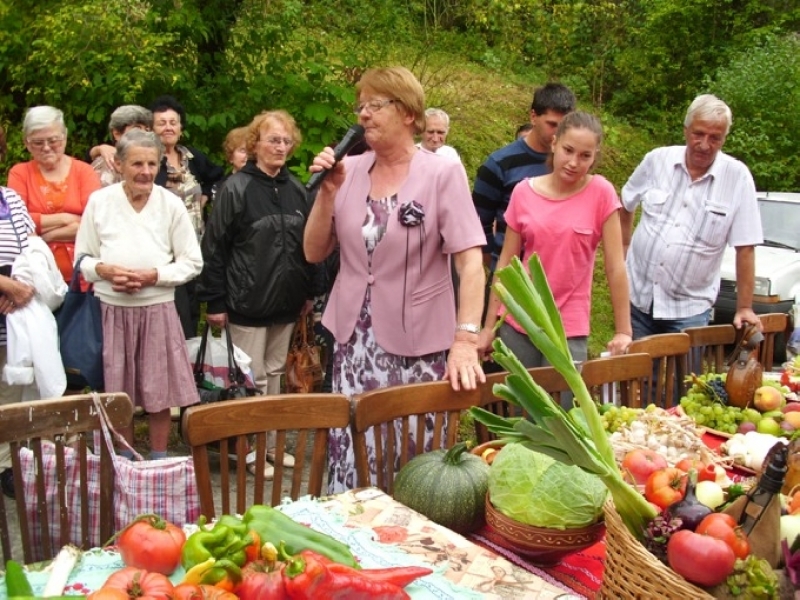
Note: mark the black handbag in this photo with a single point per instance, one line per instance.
(208, 391)
(80, 335)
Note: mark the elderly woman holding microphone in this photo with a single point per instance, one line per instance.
(398, 215)
(139, 244)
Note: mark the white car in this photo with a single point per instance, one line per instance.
(777, 281)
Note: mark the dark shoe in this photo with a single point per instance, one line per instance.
(7, 482)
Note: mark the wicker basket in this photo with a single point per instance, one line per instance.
(631, 572)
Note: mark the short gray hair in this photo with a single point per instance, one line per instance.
(130, 114)
(136, 138)
(438, 112)
(40, 117)
(708, 107)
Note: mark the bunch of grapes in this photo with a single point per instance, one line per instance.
(615, 417)
(706, 403)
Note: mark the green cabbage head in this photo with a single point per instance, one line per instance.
(532, 488)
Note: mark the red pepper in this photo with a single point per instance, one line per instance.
(308, 578)
(399, 576)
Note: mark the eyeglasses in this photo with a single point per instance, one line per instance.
(51, 141)
(372, 106)
(276, 141)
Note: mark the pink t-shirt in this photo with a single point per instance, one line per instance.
(565, 234)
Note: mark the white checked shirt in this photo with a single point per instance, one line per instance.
(674, 258)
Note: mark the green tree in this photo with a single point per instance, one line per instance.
(762, 87)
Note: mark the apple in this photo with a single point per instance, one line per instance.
(791, 407)
(770, 426)
(793, 418)
(637, 465)
(768, 398)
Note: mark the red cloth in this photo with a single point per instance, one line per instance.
(581, 571)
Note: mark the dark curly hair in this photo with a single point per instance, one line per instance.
(165, 103)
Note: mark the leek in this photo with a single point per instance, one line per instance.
(551, 430)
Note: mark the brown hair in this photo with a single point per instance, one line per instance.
(579, 120)
(399, 84)
(274, 116)
(236, 138)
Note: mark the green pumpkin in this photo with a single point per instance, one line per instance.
(447, 486)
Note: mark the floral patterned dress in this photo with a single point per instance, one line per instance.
(361, 365)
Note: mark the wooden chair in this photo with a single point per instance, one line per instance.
(627, 371)
(69, 424)
(669, 354)
(227, 428)
(392, 414)
(773, 324)
(709, 347)
(547, 377)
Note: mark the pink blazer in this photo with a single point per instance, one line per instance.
(413, 302)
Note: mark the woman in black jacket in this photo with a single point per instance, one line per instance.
(255, 277)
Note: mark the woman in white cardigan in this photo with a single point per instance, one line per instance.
(139, 245)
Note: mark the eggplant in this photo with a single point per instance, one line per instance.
(689, 510)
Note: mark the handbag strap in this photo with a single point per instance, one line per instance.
(109, 431)
(235, 374)
(200, 359)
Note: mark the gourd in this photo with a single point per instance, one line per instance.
(447, 486)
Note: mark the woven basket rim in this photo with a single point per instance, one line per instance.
(631, 571)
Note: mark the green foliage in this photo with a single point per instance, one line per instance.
(762, 87)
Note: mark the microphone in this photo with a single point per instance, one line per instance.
(350, 139)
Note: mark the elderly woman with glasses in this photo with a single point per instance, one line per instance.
(255, 277)
(139, 245)
(399, 215)
(55, 187)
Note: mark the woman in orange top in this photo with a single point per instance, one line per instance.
(55, 187)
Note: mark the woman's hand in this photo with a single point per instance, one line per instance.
(16, 294)
(619, 344)
(463, 364)
(122, 280)
(325, 161)
(485, 340)
(217, 319)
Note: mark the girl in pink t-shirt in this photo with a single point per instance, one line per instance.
(563, 217)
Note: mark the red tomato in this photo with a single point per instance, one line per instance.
(639, 464)
(138, 583)
(701, 559)
(665, 487)
(212, 592)
(259, 583)
(152, 544)
(704, 472)
(187, 591)
(105, 593)
(721, 529)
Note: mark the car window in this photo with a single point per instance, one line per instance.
(780, 222)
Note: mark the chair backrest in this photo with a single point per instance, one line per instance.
(547, 377)
(627, 371)
(65, 427)
(710, 346)
(299, 422)
(773, 324)
(394, 418)
(669, 353)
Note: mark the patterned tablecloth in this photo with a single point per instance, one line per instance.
(381, 532)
